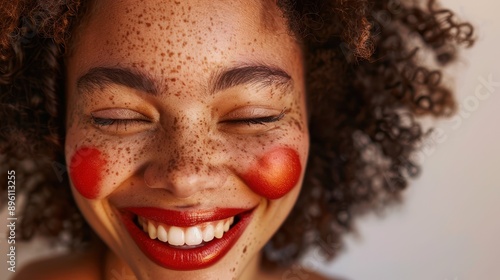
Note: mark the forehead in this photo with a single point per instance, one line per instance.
(185, 12)
(162, 26)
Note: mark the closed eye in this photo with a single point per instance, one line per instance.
(109, 122)
(259, 120)
(119, 120)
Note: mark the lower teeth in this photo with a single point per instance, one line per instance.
(189, 246)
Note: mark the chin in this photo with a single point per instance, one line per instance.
(158, 243)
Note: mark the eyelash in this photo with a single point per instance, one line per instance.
(261, 120)
(103, 122)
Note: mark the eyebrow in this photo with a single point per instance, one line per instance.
(251, 74)
(100, 77)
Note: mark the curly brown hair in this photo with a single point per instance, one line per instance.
(366, 82)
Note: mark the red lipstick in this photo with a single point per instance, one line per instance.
(177, 257)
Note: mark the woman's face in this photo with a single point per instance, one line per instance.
(185, 118)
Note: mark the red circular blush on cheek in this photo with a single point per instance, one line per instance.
(86, 169)
(275, 174)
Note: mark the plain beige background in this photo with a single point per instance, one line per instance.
(449, 226)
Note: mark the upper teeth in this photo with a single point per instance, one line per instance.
(179, 236)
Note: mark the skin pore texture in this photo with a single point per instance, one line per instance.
(185, 106)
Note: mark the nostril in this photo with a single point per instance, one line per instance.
(156, 178)
(146, 182)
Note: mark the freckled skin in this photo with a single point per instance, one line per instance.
(86, 169)
(275, 174)
(184, 154)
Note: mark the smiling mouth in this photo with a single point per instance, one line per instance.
(183, 240)
(186, 237)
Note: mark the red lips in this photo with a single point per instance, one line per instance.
(178, 258)
(185, 218)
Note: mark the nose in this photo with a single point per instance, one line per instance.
(185, 161)
(183, 180)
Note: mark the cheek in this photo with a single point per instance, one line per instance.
(86, 169)
(275, 174)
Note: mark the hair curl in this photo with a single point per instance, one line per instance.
(365, 82)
